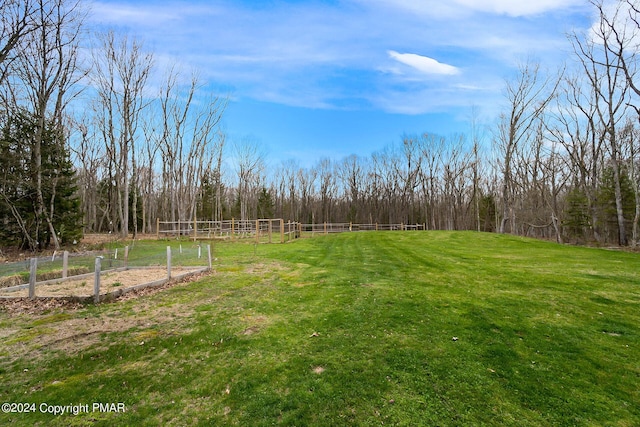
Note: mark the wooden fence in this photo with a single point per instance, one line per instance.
(265, 230)
(262, 230)
(332, 227)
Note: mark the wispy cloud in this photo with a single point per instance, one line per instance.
(330, 54)
(462, 9)
(424, 64)
(518, 8)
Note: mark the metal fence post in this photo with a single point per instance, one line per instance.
(209, 256)
(65, 264)
(96, 280)
(33, 269)
(168, 262)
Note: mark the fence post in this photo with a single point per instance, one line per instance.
(325, 228)
(158, 228)
(281, 230)
(168, 262)
(65, 264)
(96, 280)
(33, 269)
(195, 227)
(232, 227)
(209, 256)
(257, 231)
(126, 257)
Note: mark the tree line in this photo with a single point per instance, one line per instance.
(560, 162)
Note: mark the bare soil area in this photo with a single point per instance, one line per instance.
(109, 282)
(60, 324)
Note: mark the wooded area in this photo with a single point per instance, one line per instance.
(104, 140)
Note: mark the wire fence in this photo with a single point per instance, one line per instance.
(266, 230)
(343, 227)
(66, 265)
(59, 265)
(262, 230)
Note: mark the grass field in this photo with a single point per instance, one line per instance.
(395, 328)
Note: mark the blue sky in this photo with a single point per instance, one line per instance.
(310, 79)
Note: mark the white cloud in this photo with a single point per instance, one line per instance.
(461, 9)
(129, 15)
(424, 64)
(623, 19)
(517, 8)
(330, 54)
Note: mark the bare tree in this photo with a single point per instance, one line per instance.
(618, 32)
(607, 78)
(189, 140)
(432, 147)
(89, 155)
(575, 127)
(121, 71)
(218, 151)
(527, 97)
(477, 137)
(351, 173)
(250, 165)
(290, 183)
(327, 188)
(17, 20)
(306, 179)
(47, 68)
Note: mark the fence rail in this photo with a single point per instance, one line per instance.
(263, 230)
(342, 227)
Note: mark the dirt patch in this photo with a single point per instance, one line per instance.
(250, 331)
(59, 324)
(262, 268)
(109, 282)
(23, 305)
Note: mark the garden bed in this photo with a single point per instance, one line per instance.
(112, 283)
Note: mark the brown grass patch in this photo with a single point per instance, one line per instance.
(109, 282)
(9, 281)
(60, 325)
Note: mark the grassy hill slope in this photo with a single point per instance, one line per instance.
(415, 328)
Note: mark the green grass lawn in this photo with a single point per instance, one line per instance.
(349, 329)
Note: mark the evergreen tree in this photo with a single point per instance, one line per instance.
(576, 214)
(607, 201)
(18, 199)
(265, 204)
(488, 211)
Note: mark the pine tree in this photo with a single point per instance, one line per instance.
(607, 201)
(18, 186)
(576, 214)
(265, 204)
